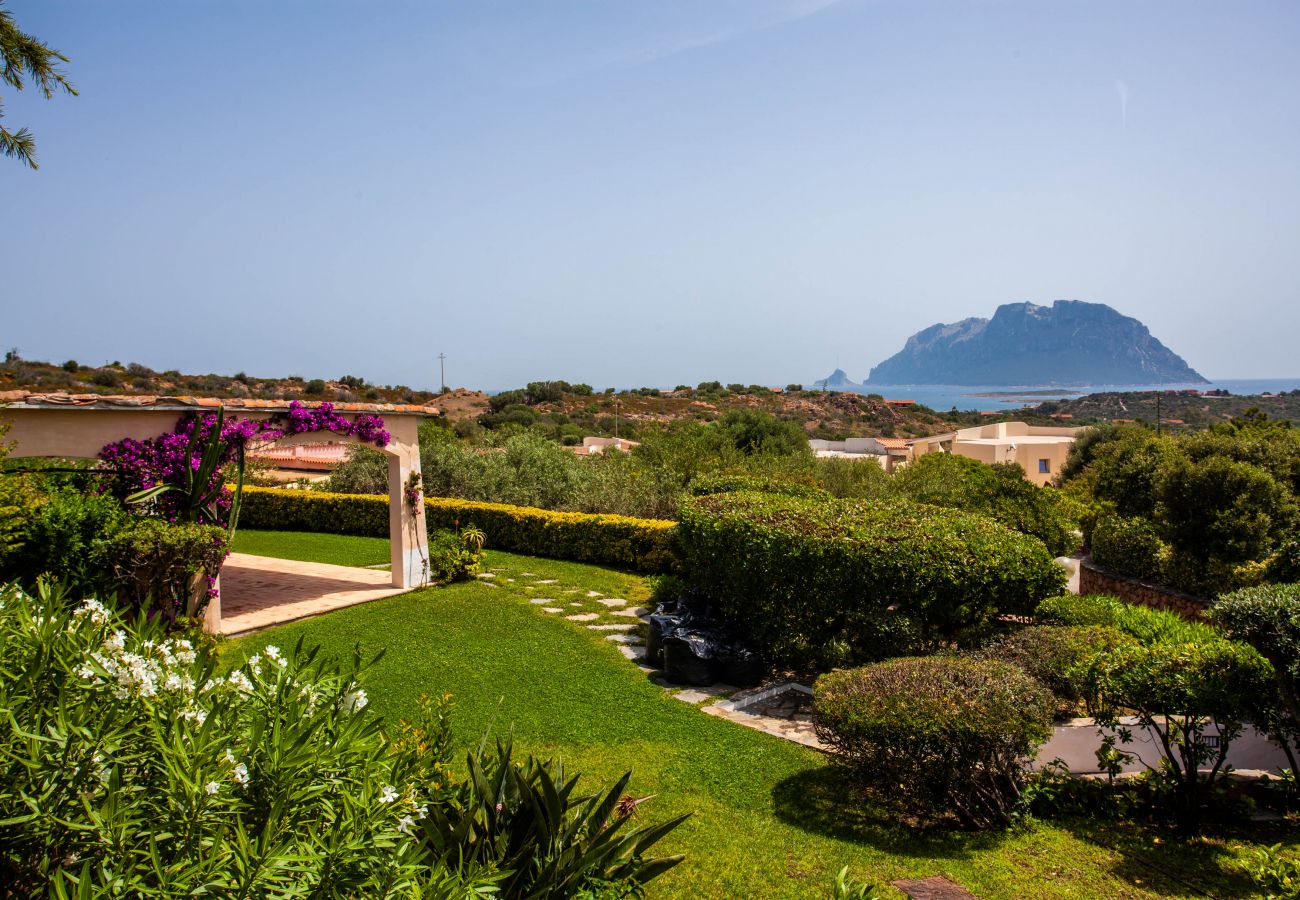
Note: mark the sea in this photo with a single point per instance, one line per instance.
(943, 397)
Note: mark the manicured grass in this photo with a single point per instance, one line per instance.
(771, 818)
(339, 549)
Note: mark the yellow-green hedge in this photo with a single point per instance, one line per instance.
(645, 545)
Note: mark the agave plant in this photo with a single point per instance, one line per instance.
(527, 820)
(200, 488)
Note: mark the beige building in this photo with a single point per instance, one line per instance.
(1040, 450)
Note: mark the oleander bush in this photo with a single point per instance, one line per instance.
(816, 583)
(1144, 623)
(644, 545)
(938, 735)
(1054, 653)
(131, 768)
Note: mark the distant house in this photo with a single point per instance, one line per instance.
(594, 446)
(901, 402)
(868, 449)
(1040, 450)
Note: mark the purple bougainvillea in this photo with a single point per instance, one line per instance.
(162, 460)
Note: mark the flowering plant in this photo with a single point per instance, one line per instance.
(182, 473)
(134, 769)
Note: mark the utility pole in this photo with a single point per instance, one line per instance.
(1157, 413)
(616, 421)
(442, 373)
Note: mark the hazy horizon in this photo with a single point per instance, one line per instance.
(753, 191)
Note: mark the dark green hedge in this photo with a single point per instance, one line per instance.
(644, 545)
(938, 735)
(825, 583)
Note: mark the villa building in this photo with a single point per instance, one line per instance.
(1040, 451)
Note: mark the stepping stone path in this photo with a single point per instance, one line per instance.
(485, 575)
(612, 601)
(541, 600)
(594, 594)
(624, 638)
(635, 612)
(627, 627)
(636, 654)
(528, 574)
(551, 609)
(583, 617)
(692, 696)
(546, 581)
(934, 888)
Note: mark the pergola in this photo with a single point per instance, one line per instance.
(78, 426)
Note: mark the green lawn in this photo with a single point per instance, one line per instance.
(339, 549)
(771, 819)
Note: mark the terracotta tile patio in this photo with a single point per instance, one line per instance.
(258, 591)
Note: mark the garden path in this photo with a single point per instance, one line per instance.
(260, 591)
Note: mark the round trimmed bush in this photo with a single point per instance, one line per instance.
(937, 734)
(1054, 653)
(818, 584)
(1130, 547)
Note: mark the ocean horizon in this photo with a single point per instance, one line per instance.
(943, 397)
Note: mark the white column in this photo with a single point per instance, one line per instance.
(408, 539)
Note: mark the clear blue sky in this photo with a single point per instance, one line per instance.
(631, 192)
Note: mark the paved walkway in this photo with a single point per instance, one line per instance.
(259, 591)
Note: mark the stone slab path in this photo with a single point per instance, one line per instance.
(259, 591)
(934, 888)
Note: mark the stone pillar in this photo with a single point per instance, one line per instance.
(408, 539)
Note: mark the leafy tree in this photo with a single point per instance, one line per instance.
(999, 491)
(1268, 618)
(1220, 508)
(1126, 470)
(753, 431)
(24, 57)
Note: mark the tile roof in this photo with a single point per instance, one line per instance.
(30, 399)
(892, 443)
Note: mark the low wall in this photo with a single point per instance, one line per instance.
(1093, 579)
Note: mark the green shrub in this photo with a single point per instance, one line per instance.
(67, 534)
(730, 483)
(1284, 566)
(1144, 623)
(932, 735)
(644, 545)
(453, 556)
(1130, 547)
(529, 822)
(158, 567)
(1181, 693)
(1268, 619)
(1054, 653)
(1276, 876)
(821, 583)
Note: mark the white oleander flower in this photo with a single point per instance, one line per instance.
(404, 824)
(355, 701)
(388, 794)
(240, 774)
(212, 787)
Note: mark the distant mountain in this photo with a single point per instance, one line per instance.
(836, 381)
(1070, 342)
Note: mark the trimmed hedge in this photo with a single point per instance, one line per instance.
(934, 735)
(1148, 625)
(827, 583)
(1054, 653)
(644, 545)
(728, 484)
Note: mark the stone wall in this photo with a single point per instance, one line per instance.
(1093, 579)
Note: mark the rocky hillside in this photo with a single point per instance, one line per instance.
(1070, 342)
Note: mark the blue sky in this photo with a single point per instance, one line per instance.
(627, 192)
